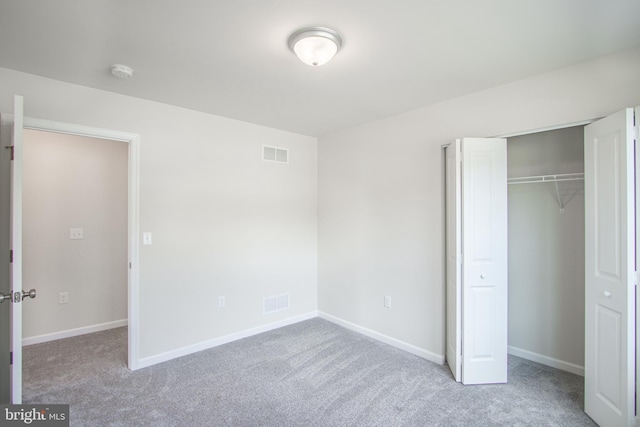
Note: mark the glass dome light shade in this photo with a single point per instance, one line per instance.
(315, 46)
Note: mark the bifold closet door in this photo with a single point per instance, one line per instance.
(610, 264)
(480, 295)
(453, 202)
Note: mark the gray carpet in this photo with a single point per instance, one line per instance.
(313, 373)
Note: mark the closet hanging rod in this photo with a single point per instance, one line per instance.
(546, 178)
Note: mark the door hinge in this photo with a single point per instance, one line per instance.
(11, 255)
(11, 148)
(11, 358)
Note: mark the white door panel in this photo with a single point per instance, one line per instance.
(610, 268)
(484, 270)
(637, 303)
(16, 245)
(454, 256)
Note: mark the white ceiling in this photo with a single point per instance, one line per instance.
(230, 57)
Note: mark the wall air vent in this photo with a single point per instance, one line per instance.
(275, 154)
(274, 304)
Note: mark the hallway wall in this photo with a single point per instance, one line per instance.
(72, 181)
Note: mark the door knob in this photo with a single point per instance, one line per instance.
(482, 276)
(30, 294)
(5, 296)
(607, 294)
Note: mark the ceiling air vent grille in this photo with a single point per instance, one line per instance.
(275, 154)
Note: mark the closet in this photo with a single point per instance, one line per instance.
(519, 202)
(573, 197)
(546, 247)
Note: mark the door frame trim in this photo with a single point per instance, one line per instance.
(549, 128)
(133, 179)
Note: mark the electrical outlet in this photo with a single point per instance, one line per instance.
(221, 302)
(387, 301)
(63, 298)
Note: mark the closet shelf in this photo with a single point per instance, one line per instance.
(550, 178)
(546, 178)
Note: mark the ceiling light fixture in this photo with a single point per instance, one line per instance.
(315, 45)
(121, 71)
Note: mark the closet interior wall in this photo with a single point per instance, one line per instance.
(546, 249)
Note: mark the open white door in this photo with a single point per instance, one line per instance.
(637, 303)
(16, 245)
(484, 255)
(610, 269)
(454, 256)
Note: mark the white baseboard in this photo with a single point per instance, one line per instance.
(73, 332)
(420, 352)
(205, 345)
(548, 361)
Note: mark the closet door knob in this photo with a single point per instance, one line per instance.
(482, 276)
(607, 294)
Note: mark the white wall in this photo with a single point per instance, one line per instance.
(546, 250)
(380, 193)
(223, 221)
(69, 182)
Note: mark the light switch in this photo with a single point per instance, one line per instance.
(76, 234)
(63, 298)
(387, 301)
(146, 238)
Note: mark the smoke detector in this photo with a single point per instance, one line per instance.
(121, 71)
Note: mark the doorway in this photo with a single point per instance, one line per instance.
(610, 217)
(74, 234)
(546, 247)
(546, 253)
(133, 142)
(11, 129)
